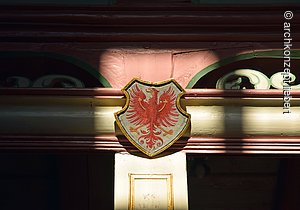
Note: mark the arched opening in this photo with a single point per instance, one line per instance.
(26, 69)
(263, 65)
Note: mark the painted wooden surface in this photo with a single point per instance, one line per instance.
(123, 42)
(96, 24)
(192, 65)
(143, 183)
(219, 125)
(179, 43)
(77, 119)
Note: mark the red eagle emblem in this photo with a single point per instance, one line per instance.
(152, 118)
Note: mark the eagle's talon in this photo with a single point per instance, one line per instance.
(134, 130)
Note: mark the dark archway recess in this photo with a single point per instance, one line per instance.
(267, 66)
(32, 66)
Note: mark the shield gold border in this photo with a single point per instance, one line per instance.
(178, 106)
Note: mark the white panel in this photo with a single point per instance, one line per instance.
(142, 183)
(149, 192)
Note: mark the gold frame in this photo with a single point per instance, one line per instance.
(155, 84)
(167, 177)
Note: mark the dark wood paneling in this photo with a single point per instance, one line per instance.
(101, 182)
(60, 182)
(74, 182)
(232, 183)
(290, 185)
(28, 182)
(144, 23)
(86, 181)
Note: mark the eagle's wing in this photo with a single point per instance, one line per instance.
(167, 111)
(137, 111)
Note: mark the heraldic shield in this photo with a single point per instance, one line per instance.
(152, 118)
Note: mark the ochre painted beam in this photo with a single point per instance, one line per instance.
(233, 122)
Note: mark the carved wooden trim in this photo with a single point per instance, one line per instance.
(258, 80)
(117, 93)
(266, 141)
(193, 145)
(94, 24)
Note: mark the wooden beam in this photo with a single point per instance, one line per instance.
(223, 121)
(144, 23)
